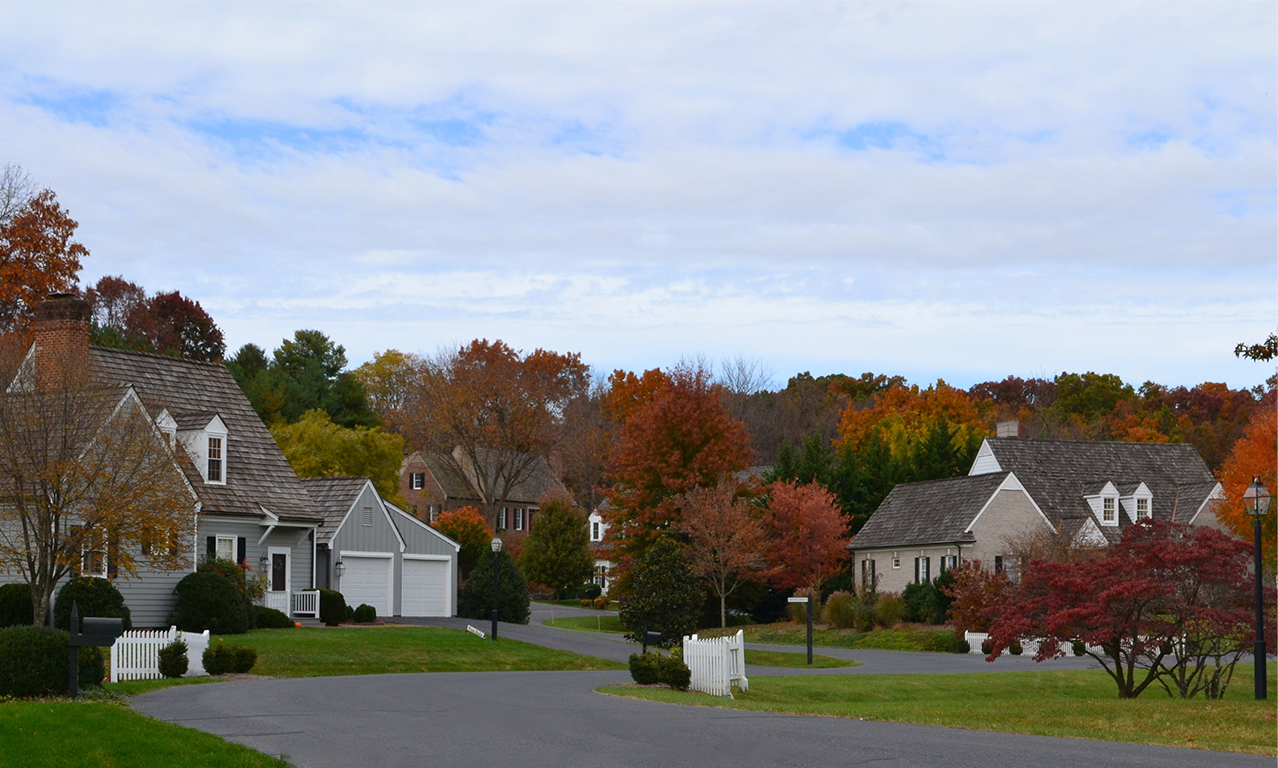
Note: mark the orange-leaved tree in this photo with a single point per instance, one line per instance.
(805, 535)
(905, 418)
(1255, 455)
(725, 542)
(37, 254)
(468, 528)
(676, 436)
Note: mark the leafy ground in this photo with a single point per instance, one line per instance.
(1077, 704)
(787, 633)
(68, 734)
(604, 622)
(795, 660)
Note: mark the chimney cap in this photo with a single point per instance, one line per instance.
(1007, 429)
(62, 307)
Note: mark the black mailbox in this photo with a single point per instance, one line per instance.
(98, 632)
(651, 638)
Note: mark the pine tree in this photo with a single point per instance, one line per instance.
(557, 551)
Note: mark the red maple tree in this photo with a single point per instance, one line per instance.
(805, 535)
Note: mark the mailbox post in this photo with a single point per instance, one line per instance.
(98, 632)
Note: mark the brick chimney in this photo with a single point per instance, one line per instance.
(61, 331)
(1007, 429)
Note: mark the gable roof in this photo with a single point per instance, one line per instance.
(333, 497)
(1058, 473)
(257, 474)
(930, 512)
(541, 479)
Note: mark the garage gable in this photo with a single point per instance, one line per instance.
(367, 526)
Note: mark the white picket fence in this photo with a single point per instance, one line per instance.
(716, 663)
(136, 655)
(306, 602)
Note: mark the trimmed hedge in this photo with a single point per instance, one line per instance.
(34, 662)
(15, 606)
(208, 600)
(332, 607)
(269, 618)
(220, 658)
(94, 597)
(1078, 648)
(365, 614)
(673, 672)
(645, 668)
(173, 660)
(243, 658)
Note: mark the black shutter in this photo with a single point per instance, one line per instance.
(916, 570)
(210, 547)
(241, 550)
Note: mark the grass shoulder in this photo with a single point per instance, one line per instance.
(788, 633)
(1070, 703)
(607, 623)
(795, 660)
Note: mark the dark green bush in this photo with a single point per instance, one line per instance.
(332, 607)
(350, 613)
(1015, 649)
(269, 618)
(173, 660)
(938, 603)
(589, 591)
(15, 605)
(665, 594)
(1079, 648)
(987, 647)
(645, 668)
(34, 662)
(233, 573)
(209, 600)
(365, 614)
(916, 597)
(673, 672)
(94, 597)
(219, 659)
(476, 598)
(942, 642)
(243, 658)
(962, 646)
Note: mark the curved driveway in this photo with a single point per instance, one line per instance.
(554, 719)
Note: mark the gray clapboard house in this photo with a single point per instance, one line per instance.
(249, 505)
(375, 553)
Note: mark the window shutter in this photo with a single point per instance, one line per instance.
(916, 570)
(241, 550)
(210, 548)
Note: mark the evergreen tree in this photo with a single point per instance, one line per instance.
(664, 594)
(557, 550)
(476, 598)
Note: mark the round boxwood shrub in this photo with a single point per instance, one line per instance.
(1015, 649)
(94, 597)
(332, 607)
(218, 659)
(15, 606)
(33, 662)
(987, 647)
(207, 600)
(645, 668)
(243, 658)
(962, 646)
(365, 614)
(1079, 648)
(173, 660)
(673, 672)
(269, 618)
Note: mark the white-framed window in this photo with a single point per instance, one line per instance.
(922, 569)
(896, 562)
(433, 512)
(366, 516)
(1143, 511)
(93, 558)
(417, 481)
(215, 460)
(1109, 510)
(596, 534)
(519, 518)
(948, 562)
(501, 519)
(225, 548)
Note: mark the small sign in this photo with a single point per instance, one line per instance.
(800, 599)
(475, 632)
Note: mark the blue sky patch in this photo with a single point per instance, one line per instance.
(258, 138)
(76, 106)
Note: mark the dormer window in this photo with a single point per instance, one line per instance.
(1109, 510)
(1143, 510)
(215, 460)
(595, 533)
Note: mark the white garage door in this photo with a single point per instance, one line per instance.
(367, 580)
(426, 587)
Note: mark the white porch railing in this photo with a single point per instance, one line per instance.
(277, 600)
(716, 663)
(136, 654)
(306, 602)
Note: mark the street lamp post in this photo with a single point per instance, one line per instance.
(496, 545)
(1256, 497)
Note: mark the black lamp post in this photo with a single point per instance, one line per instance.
(1256, 497)
(496, 545)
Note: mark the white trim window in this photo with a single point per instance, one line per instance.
(501, 519)
(216, 461)
(433, 512)
(896, 562)
(224, 548)
(519, 518)
(596, 534)
(1143, 509)
(1109, 510)
(416, 481)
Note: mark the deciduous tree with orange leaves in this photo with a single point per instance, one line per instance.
(468, 528)
(1255, 455)
(805, 535)
(904, 417)
(725, 542)
(37, 253)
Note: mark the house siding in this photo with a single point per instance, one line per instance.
(354, 536)
(895, 580)
(420, 541)
(1008, 516)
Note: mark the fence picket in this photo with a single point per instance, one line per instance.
(716, 663)
(136, 654)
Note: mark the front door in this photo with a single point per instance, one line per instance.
(279, 572)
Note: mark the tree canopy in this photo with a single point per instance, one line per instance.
(38, 254)
(123, 316)
(305, 373)
(557, 550)
(316, 447)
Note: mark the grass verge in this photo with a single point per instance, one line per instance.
(1077, 703)
(786, 633)
(795, 660)
(59, 734)
(607, 623)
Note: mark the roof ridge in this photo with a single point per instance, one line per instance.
(156, 355)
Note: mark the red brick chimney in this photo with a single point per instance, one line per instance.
(61, 331)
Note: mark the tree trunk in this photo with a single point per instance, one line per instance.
(40, 599)
(723, 610)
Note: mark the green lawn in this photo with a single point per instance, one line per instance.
(1078, 704)
(787, 633)
(604, 622)
(66, 734)
(796, 660)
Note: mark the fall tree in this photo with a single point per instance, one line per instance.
(468, 528)
(316, 447)
(975, 594)
(123, 316)
(493, 412)
(906, 416)
(87, 477)
(37, 253)
(804, 531)
(390, 379)
(725, 542)
(556, 552)
(675, 436)
(1254, 456)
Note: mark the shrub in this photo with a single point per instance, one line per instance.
(365, 614)
(269, 618)
(33, 662)
(208, 600)
(890, 609)
(1079, 648)
(600, 602)
(987, 647)
(15, 606)
(219, 659)
(938, 602)
(94, 597)
(476, 598)
(864, 617)
(590, 590)
(916, 597)
(798, 612)
(243, 658)
(645, 668)
(673, 672)
(586, 602)
(332, 607)
(1015, 649)
(349, 614)
(963, 646)
(173, 660)
(942, 642)
(664, 594)
(840, 610)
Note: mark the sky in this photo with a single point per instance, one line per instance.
(949, 190)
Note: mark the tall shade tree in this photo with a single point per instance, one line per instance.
(726, 544)
(316, 447)
(302, 374)
(1255, 455)
(87, 476)
(907, 417)
(664, 596)
(557, 550)
(675, 436)
(123, 316)
(804, 532)
(493, 412)
(467, 527)
(389, 379)
(37, 253)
